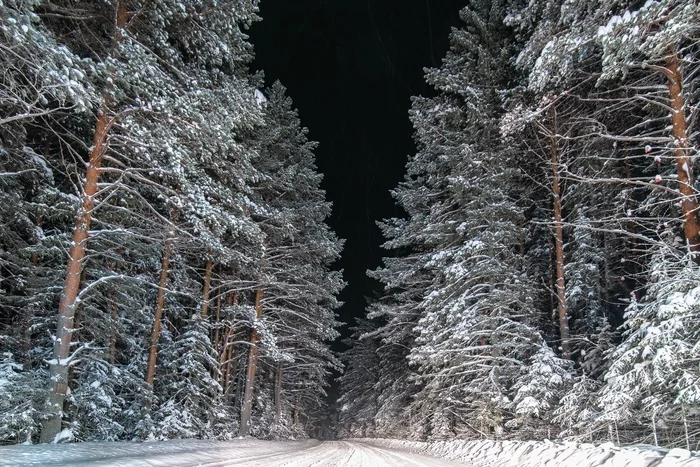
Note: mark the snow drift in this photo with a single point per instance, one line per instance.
(488, 453)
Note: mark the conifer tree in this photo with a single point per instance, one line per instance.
(296, 288)
(357, 384)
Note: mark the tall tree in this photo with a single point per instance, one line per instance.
(299, 300)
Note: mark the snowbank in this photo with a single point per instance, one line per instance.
(541, 453)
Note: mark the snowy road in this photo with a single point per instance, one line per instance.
(243, 452)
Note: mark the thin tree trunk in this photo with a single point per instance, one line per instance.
(225, 359)
(252, 366)
(114, 316)
(160, 306)
(58, 368)
(552, 304)
(228, 358)
(559, 244)
(278, 393)
(226, 353)
(689, 204)
(207, 287)
(58, 371)
(217, 330)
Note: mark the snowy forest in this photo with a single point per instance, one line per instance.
(545, 281)
(165, 261)
(167, 267)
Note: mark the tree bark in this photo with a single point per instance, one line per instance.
(217, 330)
(252, 366)
(689, 204)
(226, 353)
(58, 368)
(552, 316)
(630, 269)
(523, 236)
(225, 359)
(228, 358)
(160, 306)
(58, 372)
(560, 284)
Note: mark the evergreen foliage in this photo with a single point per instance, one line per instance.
(134, 138)
(166, 266)
(543, 283)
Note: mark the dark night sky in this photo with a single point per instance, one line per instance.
(351, 66)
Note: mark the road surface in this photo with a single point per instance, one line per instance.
(239, 452)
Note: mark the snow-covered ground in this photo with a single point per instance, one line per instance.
(489, 453)
(239, 452)
(345, 453)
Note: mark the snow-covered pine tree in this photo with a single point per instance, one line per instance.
(652, 383)
(299, 289)
(43, 87)
(622, 78)
(153, 151)
(477, 332)
(654, 63)
(396, 314)
(358, 402)
(578, 262)
(190, 402)
(555, 116)
(176, 100)
(643, 92)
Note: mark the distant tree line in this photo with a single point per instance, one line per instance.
(545, 280)
(164, 257)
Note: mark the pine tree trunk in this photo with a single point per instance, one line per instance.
(217, 373)
(58, 369)
(252, 366)
(217, 329)
(114, 315)
(560, 284)
(228, 358)
(278, 393)
(552, 303)
(226, 353)
(207, 287)
(58, 372)
(160, 306)
(689, 204)
(225, 360)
